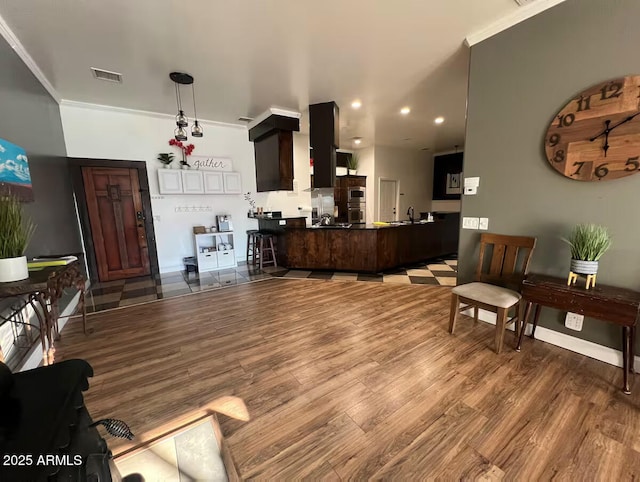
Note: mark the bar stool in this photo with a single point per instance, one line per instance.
(263, 248)
(252, 245)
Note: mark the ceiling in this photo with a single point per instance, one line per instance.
(248, 55)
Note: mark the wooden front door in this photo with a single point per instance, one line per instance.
(117, 222)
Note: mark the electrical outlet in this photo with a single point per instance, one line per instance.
(484, 224)
(573, 321)
(470, 223)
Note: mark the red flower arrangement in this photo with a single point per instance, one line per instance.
(186, 150)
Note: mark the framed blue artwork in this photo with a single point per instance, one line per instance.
(15, 178)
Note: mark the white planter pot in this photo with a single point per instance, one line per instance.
(352, 172)
(13, 269)
(584, 267)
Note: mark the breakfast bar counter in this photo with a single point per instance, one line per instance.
(370, 248)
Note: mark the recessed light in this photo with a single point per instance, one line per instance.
(357, 140)
(438, 120)
(405, 110)
(356, 104)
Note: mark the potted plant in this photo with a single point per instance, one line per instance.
(352, 163)
(588, 243)
(186, 151)
(166, 159)
(15, 233)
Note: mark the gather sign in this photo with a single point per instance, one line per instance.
(210, 163)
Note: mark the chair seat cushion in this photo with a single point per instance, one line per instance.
(488, 294)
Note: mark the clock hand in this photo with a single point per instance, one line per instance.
(604, 132)
(626, 120)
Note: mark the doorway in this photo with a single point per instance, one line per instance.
(388, 200)
(114, 207)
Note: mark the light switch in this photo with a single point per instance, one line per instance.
(470, 191)
(470, 223)
(484, 224)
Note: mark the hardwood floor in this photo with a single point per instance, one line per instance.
(348, 380)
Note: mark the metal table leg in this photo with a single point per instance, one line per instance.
(627, 353)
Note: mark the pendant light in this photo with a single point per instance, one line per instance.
(180, 133)
(196, 130)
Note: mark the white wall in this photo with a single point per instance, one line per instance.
(102, 132)
(414, 172)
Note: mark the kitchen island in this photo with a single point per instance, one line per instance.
(277, 225)
(369, 248)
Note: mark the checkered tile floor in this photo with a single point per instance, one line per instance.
(132, 291)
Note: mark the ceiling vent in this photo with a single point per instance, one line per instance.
(106, 75)
(522, 3)
(245, 119)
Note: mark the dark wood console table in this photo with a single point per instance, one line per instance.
(44, 288)
(619, 306)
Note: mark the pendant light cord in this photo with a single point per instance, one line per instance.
(178, 97)
(193, 93)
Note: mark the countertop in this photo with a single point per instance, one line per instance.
(275, 218)
(368, 226)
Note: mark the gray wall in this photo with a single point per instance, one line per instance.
(519, 79)
(31, 119)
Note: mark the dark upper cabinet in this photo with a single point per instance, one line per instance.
(274, 162)
(342, 159)
(324, 129)
(273, 145)
(447, 176)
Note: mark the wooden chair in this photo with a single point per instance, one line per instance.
(497, 289)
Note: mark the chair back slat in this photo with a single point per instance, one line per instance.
(510, 259)
(510, 256)
(480, 261)
(497, 258)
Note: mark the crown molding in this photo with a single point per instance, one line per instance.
(19, 49)
(519, 15)
(273, 111)
(124, 110)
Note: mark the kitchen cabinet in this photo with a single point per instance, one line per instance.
(324, 137)
(192, 182)
(213, 182)
(356, 181)
(274, 162)
(232, 183)
(341, 194)
(172, 181)
(369, 248)
(272, 140)
(169, 181)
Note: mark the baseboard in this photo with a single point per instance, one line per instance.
(568, 342)
(180, 267)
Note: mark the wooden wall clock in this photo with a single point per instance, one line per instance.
(596, 136)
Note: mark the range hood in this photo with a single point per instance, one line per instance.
(324, 136)
(272, 136)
